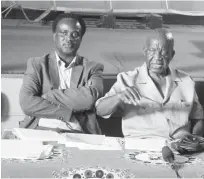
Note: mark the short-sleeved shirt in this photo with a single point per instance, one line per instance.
(156, 115)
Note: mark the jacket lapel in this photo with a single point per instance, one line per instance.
(173, 81)
(53, 70)
(146, 86)
(76, 72)
(171, 85)
(150, 90)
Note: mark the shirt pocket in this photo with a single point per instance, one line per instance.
(185, 104)
(180, 113)
(186, 108)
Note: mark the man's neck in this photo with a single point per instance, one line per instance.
(159, 80)
(159, 76)
(66, 58)
(156, 77)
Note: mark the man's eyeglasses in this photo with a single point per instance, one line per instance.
(75, 35)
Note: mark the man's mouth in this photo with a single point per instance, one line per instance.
(69, 45)
(157, 64)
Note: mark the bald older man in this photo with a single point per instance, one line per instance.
(155, 99)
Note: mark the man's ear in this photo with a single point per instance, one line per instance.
(173, 53)
(54, 35)
(144, 51)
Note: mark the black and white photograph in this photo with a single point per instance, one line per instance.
(102, 89)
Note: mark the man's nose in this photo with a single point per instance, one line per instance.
(157, 55)
(68, 37)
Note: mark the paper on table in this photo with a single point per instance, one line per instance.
(112, 143)
(39, 135)
(82, 141)
(90, 142)
(84, 138)
(109, 143)
(145, 144)
(25, 149)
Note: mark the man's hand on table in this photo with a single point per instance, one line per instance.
(189, 144)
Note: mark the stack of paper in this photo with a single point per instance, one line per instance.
(112, 143)
(25, 149)
(37, 135)
(84, 138)
(81, 141)
(145, 144)
(91, 142)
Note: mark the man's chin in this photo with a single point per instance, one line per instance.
(68, 52)
(156, 70)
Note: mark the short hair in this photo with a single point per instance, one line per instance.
(72, 16)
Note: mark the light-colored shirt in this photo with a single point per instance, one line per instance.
(65, 79)
(64, 72)
(156, 115)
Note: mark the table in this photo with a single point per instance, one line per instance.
(73, 158)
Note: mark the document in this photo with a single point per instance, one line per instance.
(38, 135)
(91, 142)
(84, 138)
(81, 141)
(112, 143)
(145, 144)
(25, 149)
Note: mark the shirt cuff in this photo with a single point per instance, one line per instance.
(96, 104)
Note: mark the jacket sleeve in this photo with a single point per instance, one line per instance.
(30, 98)
(84, 97)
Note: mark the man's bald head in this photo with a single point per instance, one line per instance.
(160, 35)
(159, 50)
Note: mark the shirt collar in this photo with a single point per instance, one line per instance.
(143, 75)
(174, 75)
(60, 63)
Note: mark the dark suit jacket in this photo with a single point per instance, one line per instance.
(40, 96)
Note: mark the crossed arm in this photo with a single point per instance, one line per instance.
(82, 98)
(59, 104)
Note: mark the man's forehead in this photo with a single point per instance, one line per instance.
(162, 38)
(69, 22)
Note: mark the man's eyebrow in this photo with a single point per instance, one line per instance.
(69, 30)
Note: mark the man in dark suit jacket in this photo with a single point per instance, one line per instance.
(60, 88)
